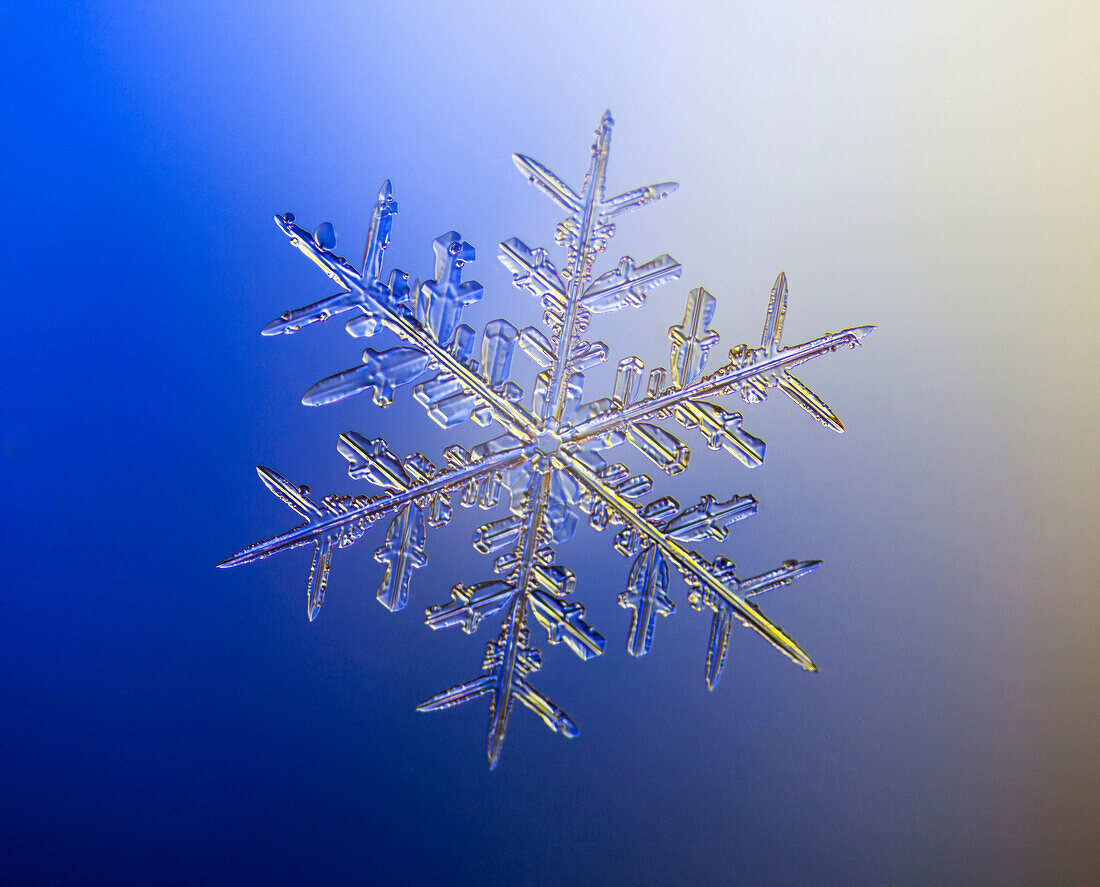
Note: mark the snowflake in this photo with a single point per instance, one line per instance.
(548, 461)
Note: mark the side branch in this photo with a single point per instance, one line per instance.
(515, 419)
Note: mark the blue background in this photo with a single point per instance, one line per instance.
(931, 170)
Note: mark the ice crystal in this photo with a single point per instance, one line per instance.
(548, 460)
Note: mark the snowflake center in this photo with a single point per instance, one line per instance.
(548, 443)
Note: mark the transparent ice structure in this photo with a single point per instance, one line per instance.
(546, 465)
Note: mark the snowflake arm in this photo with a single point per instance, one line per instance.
(436, 339)
(747, 370)
(339, 521)
(509, 659)
(586, 232)
(693, 567)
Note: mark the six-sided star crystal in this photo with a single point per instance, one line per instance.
(545, 467)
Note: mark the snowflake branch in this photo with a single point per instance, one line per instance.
(508, 659)
(321, 525)
(685, 560)
(373, 298)
(582, 253)
(515, 624)
(723, 381)
(587, 232)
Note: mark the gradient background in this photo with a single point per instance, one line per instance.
(930, 168)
